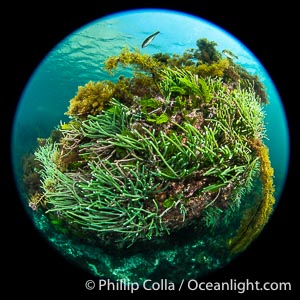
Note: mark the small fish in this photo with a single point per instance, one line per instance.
(149, 39)
(229, 54)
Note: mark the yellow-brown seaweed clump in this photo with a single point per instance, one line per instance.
(256, 218)
(215, 69)
(91, 99)
(137, 60)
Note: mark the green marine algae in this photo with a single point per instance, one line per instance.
(166, 150)
(206, 61)
(126, 169)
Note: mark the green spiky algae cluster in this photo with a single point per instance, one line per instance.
(154, 175)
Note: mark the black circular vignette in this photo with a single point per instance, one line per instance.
(33, 266)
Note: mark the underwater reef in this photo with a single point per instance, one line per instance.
(176, 148)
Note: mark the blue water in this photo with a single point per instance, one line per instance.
(79, 58)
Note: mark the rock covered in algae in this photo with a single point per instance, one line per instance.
(157, 172)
